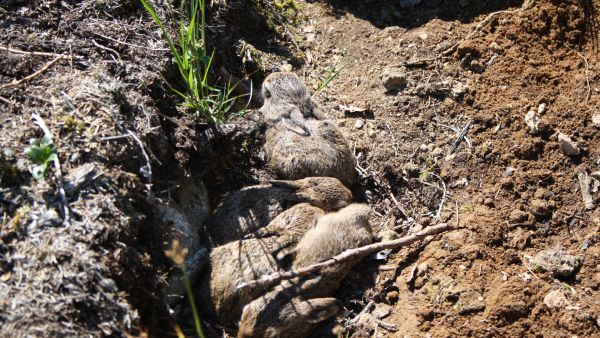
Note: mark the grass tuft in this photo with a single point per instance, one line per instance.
(212, 103)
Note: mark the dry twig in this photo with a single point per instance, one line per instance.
(587, 77)
(29, 77)
(344, 256)
(461, 136)
(60, 182)
(441, 207)
(146, 170)
(24, 52)
(130, 44)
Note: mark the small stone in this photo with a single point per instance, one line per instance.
(568, 146)
(422, 269)
(108, 285)
(596, 120)
(419, 282)
(555, 299)
(437, 152)
(509, 171)
(458, 90)
(423, 148)
(394, 79)
(49, 218)
(388, 235)
(557, 261)
(359, 123)
(518, 216)
(489, 202)
(381, 311)
(540, 209)
(541, 108)
(391, 296)
(416, 228)
(532, 120)
(494, 46)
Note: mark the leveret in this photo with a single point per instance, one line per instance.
(293, 308)
(286, 101)
(250, 258)
(301, 141)
(244, 211)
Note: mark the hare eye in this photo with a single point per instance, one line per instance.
(267, 94)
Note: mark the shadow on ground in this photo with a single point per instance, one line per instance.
(415, 13)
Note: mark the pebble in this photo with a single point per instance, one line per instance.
(568, 146)
(518, 216)
(393, 79)
(509, 171)
(557, 261)
(540, 209)
(437, 152)
(359, 123)
(555, 299)
(381, 311)
(596, 120)
(391, 296)
(532, 120)
(541, 108)
(388, 235)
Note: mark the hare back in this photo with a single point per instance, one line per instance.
(324, 153)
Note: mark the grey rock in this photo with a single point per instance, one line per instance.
(381, 311)
(555, 299)
(596, 120)
(557, 261)
(394, 79)
(568, 146)
(532, 119)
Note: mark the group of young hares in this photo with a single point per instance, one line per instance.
(304, 218)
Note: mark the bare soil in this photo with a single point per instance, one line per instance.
(510, 193)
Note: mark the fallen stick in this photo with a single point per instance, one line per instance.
(461, 136)
(24, 52)
(344, 256)
(29, 77)
(59, 176)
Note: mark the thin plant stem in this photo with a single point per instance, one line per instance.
(190, 294)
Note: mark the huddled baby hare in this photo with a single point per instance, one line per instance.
(293, 308)
(300, 141)
(247, 259)
(244, 211)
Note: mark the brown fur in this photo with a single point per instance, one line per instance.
(249, 209)
(293, 308)
(248, 259)
(301, 142)
(324, 152)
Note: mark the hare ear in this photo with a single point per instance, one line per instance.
(285, 184)
(318, 113)
(295, 122)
